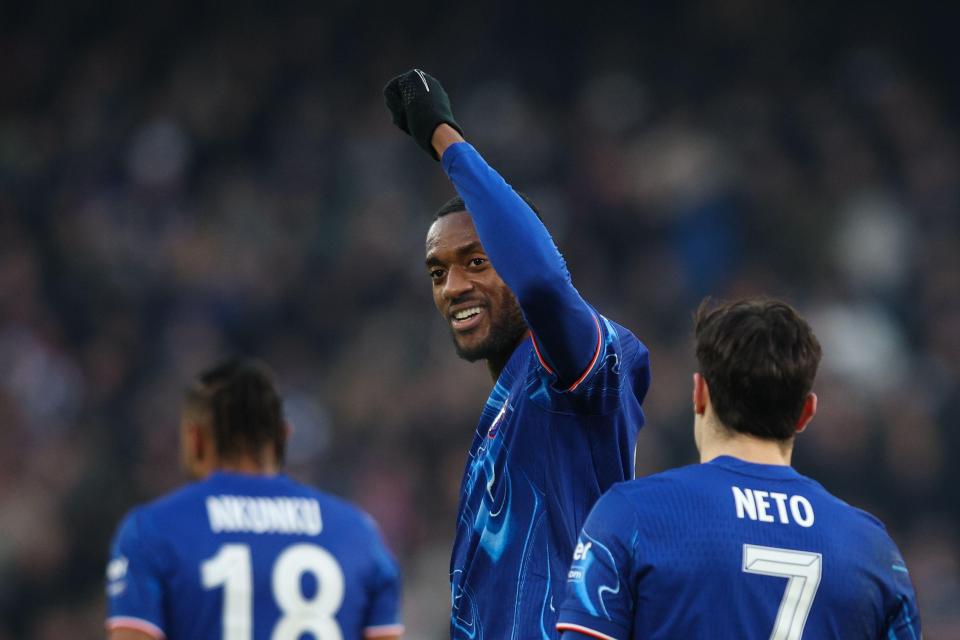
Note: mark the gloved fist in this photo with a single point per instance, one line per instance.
(419, 105)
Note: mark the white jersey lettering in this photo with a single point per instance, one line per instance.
(754, 504)
(264, 515)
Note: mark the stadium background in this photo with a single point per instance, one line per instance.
(179, 180)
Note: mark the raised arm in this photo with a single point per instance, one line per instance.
(566, 331)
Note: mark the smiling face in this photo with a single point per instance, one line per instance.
(483, 315)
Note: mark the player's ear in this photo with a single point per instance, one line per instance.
(701, 394)
(809, 410)
(193, 447)
(194, 441)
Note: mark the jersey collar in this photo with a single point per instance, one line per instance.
(776, 471)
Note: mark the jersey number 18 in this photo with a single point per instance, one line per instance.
(231, 568)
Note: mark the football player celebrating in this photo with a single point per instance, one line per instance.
(560, 424)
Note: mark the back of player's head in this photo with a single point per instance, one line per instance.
(456, 203)
(759, 359)
(243, 409)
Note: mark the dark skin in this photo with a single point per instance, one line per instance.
(483, 315)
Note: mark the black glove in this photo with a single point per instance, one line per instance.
(419, 105)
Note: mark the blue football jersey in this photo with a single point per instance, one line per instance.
(540, 458)
(242, 557)
(731, 549)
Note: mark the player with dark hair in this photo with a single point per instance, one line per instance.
(560, 425)
(739, 546)
(246, 552)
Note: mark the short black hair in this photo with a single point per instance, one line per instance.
(759, 358)
(456, 203)
(244, 408)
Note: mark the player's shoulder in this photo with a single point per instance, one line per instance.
(642, 500)
(624, 353)
(614, 332)
(863, 520)
(646, 493)
(162, 505)
(676, 478)
(615, 327)
(334, 507)
(868, 519)
(147, 522)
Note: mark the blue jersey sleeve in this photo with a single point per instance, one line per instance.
(903, 618)
(383, 617)
(599, 594)
(905, 621)
(567, 332)
(134, 583)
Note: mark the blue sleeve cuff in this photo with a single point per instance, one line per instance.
(590, 626)
(451, 153)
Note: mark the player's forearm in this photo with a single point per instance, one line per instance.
(524, 255)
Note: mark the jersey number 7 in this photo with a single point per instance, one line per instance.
(231, 568)
(802, 571)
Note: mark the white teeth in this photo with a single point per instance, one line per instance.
(463, 314)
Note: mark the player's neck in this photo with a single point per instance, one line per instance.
(250, 466)
(720, 441)
(496, 364)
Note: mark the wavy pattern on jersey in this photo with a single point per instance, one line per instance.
(522, 493)
(464, 609)
(536, 520)
(493, 412)
(492, 517)
(600, 396)
(547, 624)
(591, 595)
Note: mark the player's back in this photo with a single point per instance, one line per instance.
(241, 557)
(731, 549)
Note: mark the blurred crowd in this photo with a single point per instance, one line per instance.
(179, 183)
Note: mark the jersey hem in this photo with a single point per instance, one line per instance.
(136, 624)
(381, 630)
(593, 633)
